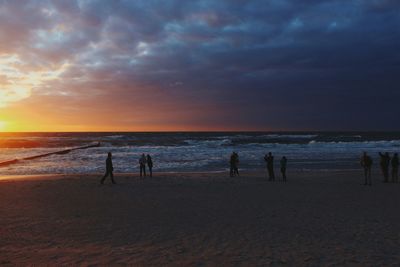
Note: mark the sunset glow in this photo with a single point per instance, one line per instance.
(198, 65)
(18, 82)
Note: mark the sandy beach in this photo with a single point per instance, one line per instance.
(200, 220)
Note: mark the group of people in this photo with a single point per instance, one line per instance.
(234, 166)
(143, 161)
(385, 162)
(366, 162)
(269, 159)
(142, 165)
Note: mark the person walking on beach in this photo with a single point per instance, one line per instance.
(142, 165)
(283, 167)
(366, 163)
(109, 169)
(150, 165)
(269, 159)
(385, 162)
(395, 168)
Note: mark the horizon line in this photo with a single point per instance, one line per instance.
(206, 131)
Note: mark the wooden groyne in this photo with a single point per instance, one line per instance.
(61, 152)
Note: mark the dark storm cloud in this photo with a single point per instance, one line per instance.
(251, 64)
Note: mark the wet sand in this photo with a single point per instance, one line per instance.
(200, 220)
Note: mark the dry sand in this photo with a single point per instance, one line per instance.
(200, 220)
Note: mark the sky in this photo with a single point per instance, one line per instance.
(207, 65)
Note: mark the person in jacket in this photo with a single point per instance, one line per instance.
(283, 167)
(109, 169)
(142, 165)
(385, 162)
(150, 164)
(366, 163)
(269, 159)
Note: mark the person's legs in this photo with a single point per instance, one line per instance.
(383, 173)
(386, 174)
(392, 175)
(283, 170)
(237, 170)
(112, 177)
(366, 176)
(151, 171)
(141, 170)
(385, 178)
(271, 174)
(104, 177)
(369, 175)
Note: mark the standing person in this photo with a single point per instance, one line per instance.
(232, 164)
(395, 168)
(150, 165)
(142, 164)
(236, 163)
(283, 167)
(109, 169)
(270, 166)
(366, 163)
(385, 162)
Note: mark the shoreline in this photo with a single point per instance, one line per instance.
(243, 173)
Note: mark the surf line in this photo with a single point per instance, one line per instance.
(61, 152)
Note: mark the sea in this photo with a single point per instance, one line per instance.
(191, 151)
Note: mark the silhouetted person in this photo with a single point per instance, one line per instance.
(150, 165)
(283, 167)
(109, 169)
(234, 163)
(395, 168)
(269, 159)
(385, 162)
(142, 165)
(366, 163)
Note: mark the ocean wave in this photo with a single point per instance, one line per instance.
(120, 136)
(212, 143)
(350, 143)
(192, 151)
(289, 136)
